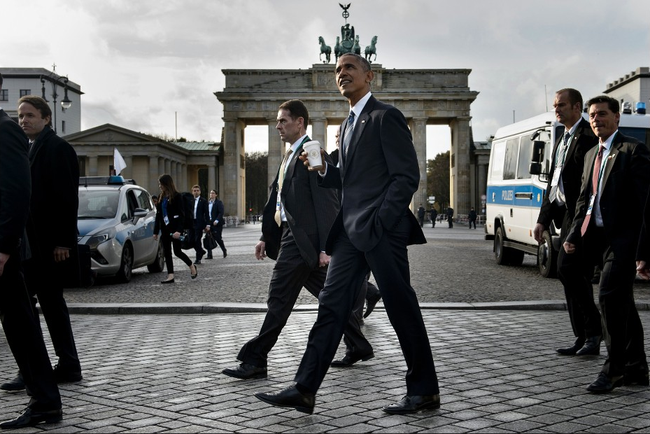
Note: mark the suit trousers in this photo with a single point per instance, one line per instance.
(575, 272)
(44, 282)
(349, 266)
(169, 242)
(217, 235)
(197, 236)
(290, 275)
(622, 326)
(24, 336)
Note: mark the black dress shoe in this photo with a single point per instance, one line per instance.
(370, 305)
(571, 351)
(413, 404)
(16, 384)
(605, 383)
(164, 282)
(591, 347)
(62, 375)
(197, 262)
(350, 359)
(225, 253)
(31, 418)
(245, 371)
(290, 397)
(208, 257)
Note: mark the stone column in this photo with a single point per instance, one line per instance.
(128, 171)
(92, 165)
(212, 178)
(234, 174)
(276, 151)
(319, 131)
(152, 184)
(459, 160)
(168, 167)
(419, 132)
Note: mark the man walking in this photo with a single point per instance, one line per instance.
(19, 322)
(297, 216)
(559, 206)
(215, 211)
(51, 230)
(608, 221)
(200, 222)
(378, 173)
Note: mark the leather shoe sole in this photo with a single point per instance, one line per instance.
(348, 360)
(413, 404)
(31, 418)
(290, 397)
(245, 372)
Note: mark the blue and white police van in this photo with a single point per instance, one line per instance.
(514, 194)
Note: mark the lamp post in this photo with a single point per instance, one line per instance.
(60, 81)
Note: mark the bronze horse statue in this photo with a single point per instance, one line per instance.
(371, 49)
(324, 49)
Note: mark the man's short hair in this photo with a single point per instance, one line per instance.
(296, 109)
(195, 186)
(612, 103)
(575, 97)
(39, 104)
(364, 62)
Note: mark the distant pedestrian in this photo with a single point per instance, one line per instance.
(215, 211)
(169, 222)
(200, 223)
(472, 218)
(433, 215)
(450, 217)
(421, 212)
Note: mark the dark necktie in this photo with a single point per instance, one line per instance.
(595, 176)
(347, 135)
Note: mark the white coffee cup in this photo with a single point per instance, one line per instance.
(313, 153)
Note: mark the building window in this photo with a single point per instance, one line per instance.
(4, 95)
(25, 92)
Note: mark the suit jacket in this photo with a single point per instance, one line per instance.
(15, 185)
(202, 213)
(310, 211)
(378, 174)
(583, 140)
(55, 194)
(175, 213)
(217, 212)
(623, 196)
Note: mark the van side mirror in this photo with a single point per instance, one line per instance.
(537, 157)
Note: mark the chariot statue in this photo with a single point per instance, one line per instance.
(348, 42)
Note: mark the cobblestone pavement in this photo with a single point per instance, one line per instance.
(498, 369)
(455, 266)
(498, 372)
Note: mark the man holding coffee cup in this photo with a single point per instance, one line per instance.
(295, 223)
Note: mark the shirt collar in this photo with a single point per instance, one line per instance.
(607, 144)
(360, 105)
(297, 143)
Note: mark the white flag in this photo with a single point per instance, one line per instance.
(118, 162)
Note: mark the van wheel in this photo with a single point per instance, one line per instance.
(506, 255)
(126, 268)
(547, 257)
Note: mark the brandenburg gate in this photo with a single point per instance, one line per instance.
(425, 96)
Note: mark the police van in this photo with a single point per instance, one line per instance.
(520, 162)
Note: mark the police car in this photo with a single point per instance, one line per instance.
(116, 219)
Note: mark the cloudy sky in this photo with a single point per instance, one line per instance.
(141, 61)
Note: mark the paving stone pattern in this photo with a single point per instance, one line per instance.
(498, 372)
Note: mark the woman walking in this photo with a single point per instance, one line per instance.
(169, 220)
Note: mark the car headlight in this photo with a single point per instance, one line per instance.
(99, 238)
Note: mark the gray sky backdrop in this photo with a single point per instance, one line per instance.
(140, 61)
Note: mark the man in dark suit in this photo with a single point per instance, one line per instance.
(421, 212)
(378, 173)
(296, 220)
(215, 211)
(200, 222)
(19, 322)
(558, 206)
(51, 230)
(608, 220)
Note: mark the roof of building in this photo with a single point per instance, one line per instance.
(38, 73)
(199, 146)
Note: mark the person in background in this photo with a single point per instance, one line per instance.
(558, 206)
(200, 223)
(154, 199)
(19, 322)
(169, 223)
(51, 231)
(471, 218)
(421, 213)
(610, 211)
(450, 217)
(433, 215)
(215, 212)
